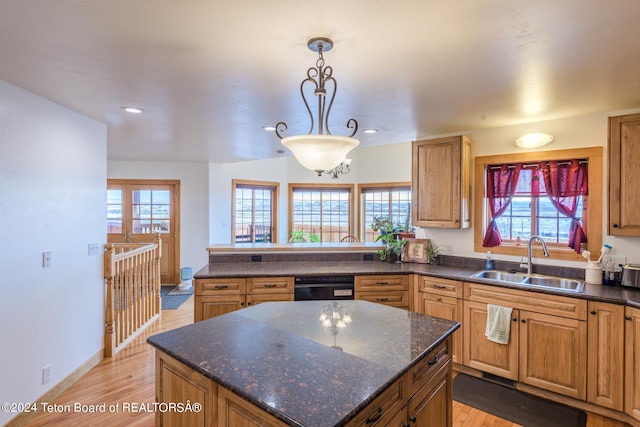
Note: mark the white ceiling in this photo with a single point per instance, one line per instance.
(210, 73)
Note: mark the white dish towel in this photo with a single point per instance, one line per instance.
(498, 323)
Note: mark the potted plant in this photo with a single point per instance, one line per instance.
(433, 252)
(389, 236)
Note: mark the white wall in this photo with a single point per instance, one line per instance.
(52, 198)
(194, 201)
(392, 163)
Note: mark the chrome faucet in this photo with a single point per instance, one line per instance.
(529, 264)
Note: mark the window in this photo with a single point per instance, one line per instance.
(321, 213)
(529, 211)
(376, 200)
(254, 211)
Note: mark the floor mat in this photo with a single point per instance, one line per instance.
(514, 405)
(171, 301)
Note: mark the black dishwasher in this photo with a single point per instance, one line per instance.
(307, 288)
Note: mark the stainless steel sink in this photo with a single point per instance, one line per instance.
(533, 280)
(555, 283)
(503, 276)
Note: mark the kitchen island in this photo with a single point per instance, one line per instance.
(277, 364)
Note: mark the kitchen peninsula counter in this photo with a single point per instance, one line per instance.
(280, 359)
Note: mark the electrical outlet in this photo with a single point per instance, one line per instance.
(94, 249)
(46, 374)
(447, 249)
(46, 259)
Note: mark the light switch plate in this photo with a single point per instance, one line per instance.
(93, 249)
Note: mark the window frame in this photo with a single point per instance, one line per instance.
(592, 216)
(380, 186)
(262, 185)
(321, 187)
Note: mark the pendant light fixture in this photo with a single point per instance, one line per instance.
(322, 151)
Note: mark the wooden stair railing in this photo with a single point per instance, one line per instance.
(132, 294)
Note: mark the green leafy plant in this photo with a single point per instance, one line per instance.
(433, 252)
(388, 235)
(299, 236)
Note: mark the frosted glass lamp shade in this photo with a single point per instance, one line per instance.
(320, 152)
(534, 140)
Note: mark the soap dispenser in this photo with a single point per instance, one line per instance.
(488, 265)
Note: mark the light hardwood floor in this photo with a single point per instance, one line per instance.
(128, 378)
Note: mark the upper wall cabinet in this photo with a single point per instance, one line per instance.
(624, 175)
(441, 182)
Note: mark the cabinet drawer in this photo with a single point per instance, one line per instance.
(398, 299)
(572, 308)
(420, 373)
(382, 407)
(270, 285)
(436, 285)
(220, 286)
(382, 283)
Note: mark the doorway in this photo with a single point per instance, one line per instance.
(139, 209)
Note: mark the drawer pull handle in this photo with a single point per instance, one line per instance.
(627, 317)
(382, 299)
(515, 319)
(412, 418)
(438, 299)
(593, 312)
(270, 285)
(382, 283)
(376, 417)
(439, 286)
(435, 360)
(221, 286)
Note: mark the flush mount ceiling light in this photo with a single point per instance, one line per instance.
(322, 151)
(534, 140)
(132, 110)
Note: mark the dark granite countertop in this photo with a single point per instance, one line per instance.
(613, 294)
(279, 357)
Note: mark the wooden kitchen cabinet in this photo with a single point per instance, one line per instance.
(605, 357)
(391, 290)
(214, 297)
(177, 383)
(441, 182)
(421, 397)
(552, 353)
(624, 175)
(442, 298)
(233, 411)
(483, 354)
(547, 342)
(632, 362)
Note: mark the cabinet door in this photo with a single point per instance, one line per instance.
(553, 353)
(632, 362)
(431, 405)
(624, 175)
(605, 357)
(446, 308)
(483, 354)
(211, 306)
(234, 411)
(441, 183)
(177, 383)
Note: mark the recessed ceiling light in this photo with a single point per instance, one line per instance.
(269, 128)
(132, 110)
(370, 130)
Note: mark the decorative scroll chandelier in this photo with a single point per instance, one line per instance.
(321, 152)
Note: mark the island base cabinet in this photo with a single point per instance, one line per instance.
(177, 384)
(431, 405)
(233, 411)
